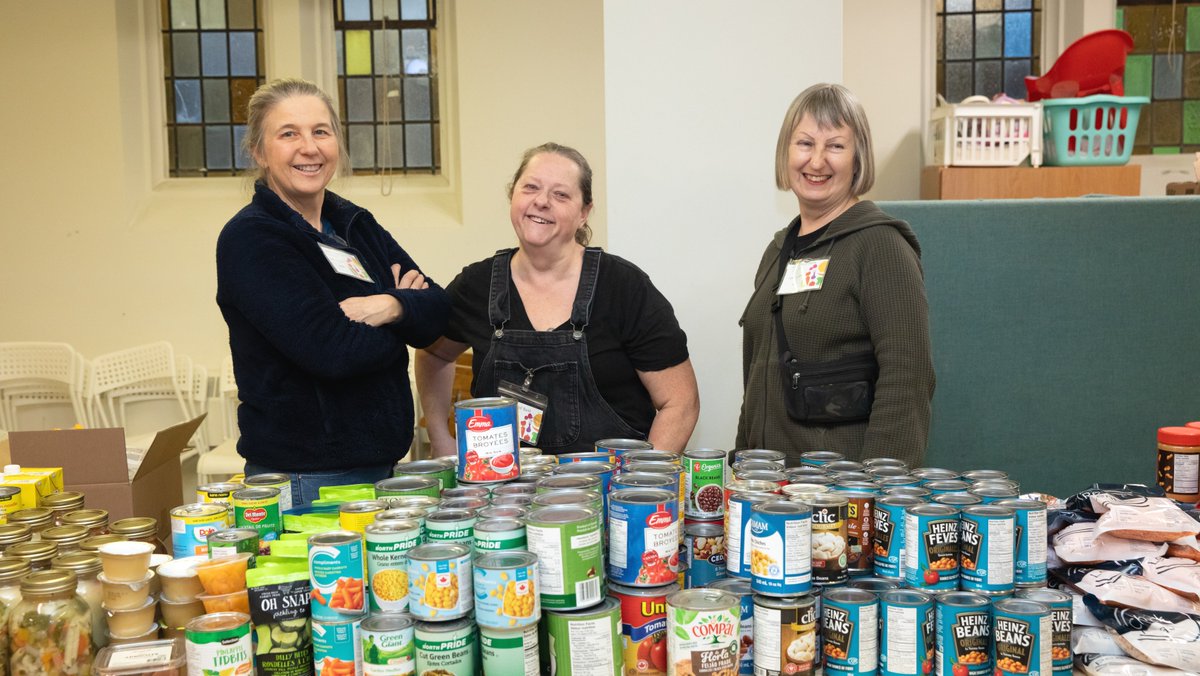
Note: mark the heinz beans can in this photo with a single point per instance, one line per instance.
(1021, 634)
(1061, 620)
(849, 629)
(888, 534)
(487, 439)
(964, 634)
(931, 547)
(643, 537)
(781, 548)
(986, 549)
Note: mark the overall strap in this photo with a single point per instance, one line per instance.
(581, 310)
(498, 302)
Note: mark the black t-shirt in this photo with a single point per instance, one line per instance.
(632, 328)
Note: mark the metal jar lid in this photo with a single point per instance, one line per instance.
(135, 527)
(83, 563)
(89, 518)
(66, 535)
(32, 516)
(12, 570)
(49, 582)
(92, 544)
(66, 500)
(33, 552)
(11, 533)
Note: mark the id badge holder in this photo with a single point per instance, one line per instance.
(531, 408)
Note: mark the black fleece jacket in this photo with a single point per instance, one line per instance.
(318, 391)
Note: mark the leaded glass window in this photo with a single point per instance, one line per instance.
(387, 84)
(987, 47)
(212, 62)
(1165, 66)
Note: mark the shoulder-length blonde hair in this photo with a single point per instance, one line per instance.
(830, 105)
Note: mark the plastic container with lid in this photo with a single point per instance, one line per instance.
(11, 572)
(51, 625)
(161, 658)
(95, 520)
(14, 534)
(38, 554)
(61, 503)
(140, 528)
(87, 567)
(68, 538)
(1179, 462)
(37, 519)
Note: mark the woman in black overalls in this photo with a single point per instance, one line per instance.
(582, 328)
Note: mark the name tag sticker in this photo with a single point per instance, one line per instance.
(803, 274)
(345, 263)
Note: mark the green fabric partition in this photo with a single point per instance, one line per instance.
(1065, 332)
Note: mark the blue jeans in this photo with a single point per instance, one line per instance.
(306, 485)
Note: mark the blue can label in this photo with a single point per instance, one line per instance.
(487, 440)
(705, 559)
(336, 573)
(850, 635)
(507, 598)
(964, 640)
(337, 648)
(643, 549)
(986, 553)
(1031, 547)
(737, 537)
(931, 551)
(780, 553)
(889, 541)
(1020, 643)
(907, 640)
(440, 589)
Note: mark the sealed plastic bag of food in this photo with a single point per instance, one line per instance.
(1166, 639)
(1118, 589)
(1058, 519)
(1083, 499)
(1121, 665)
(1095, 641)
(1083, 543)
(279, 611)
(1181, 576)
(1142, 518)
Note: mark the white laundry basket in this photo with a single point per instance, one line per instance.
(977, 133)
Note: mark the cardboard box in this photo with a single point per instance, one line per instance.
(94, 463)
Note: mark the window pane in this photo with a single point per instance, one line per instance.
(988, 78)
(359, 103)
(187, 101)
(387, 52)
(357, 10)
(1139, 69)
(1014, 78)
(1168, 122)
(958, 82)
(413, 10)
(241, 14)
(213, 55)
(362, 146)
(391, 145)
(185, 53)
(959, 5)
(1017, 4)
(212, 14)
(241, 159)
(183, 14)
(418, 145)
(387, 101)
(416, 51)
(416, 98)
(358, 52)
(1193, 29)
(1168, 76)
(988, 5)
(339, 47)
(216, 100)
(987, 36)
(241, 89)
(1017, 31)
(218, 151)
(243, 54)
(385, 9)
(959, 37)
(189, 147)
(1191, 76)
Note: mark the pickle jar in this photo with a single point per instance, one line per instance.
(67, 538)
(140, 529)
(93, 543)
(37, 519)
(95, 520)
(38, 554)
(86, 567)
(11, 572)
(60, 504)
(14, 534)
(50, 625)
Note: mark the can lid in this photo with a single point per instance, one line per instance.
(1023, 504)
(359, 506)
(704, 454)
(662, 590)
(438, 550)
(875, 585)
(217, 622)
(267, 479)
(498, 525)
(558, 514)
(446, 627)
(257, 493)
(782, 507)
(1045, 595)
(1021, 606)
(49, 582)
(702, 529)
(623, 445)
(703, 598)
(643, 496)
(391, 526)
(233, 535)
(507, 559)
(958, 598)
(1179, 436)
(849, 595)
(13, 569)
(81, 562)
(733, 585)
(587, 468)
(988, 510)
(555, 481)
(450, 515)
(933, 510)
(387, 622)
(905, 597)
(485, 402)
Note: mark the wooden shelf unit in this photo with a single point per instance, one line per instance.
(967, 183)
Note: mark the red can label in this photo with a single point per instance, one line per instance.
(644, 629)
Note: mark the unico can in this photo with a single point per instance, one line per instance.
(785, 636)
(741, 589)
(388, 543)
(781, 548)
(1030, 518)
(506, 590)
(703, 632)
(487, 439)
(567, 539)
(703, 476)
(440, 581)
(704, 544)
(335, 569)
(931, 547)
(388, 645)
(1021, 636)
(964, 634)
(447, 648)
(907, 633)
(274, 480)
(888, 534)
(986, 549)
(583, 641)
(192, 524)
(643, 626)
(1061, 619)
(509, 652)
(258, 508)
(850, 631)
(357, 514)
(643, 537)
(829, 534)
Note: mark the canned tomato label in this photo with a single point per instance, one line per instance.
(703, 476)
(781, 548)
(388, 543)
(356, 515)
(447, 648)
(704, 544)
(584, 641)
(1061, 620)
(829, 534)
(741, 589)
(258, 508)
(643, 537)
(408, 485)
(232, 542)
(738, 511)
(192, 524)
(274, 480)
(888, 534)
(1021, 633)
(964, 634)
(860, 518)
(442, 469)
(643, 627)
(931, 547)
(388, 645)
(500, 534)
(703, 632)
(785, 636)
(439, 581)
(337, 648)
(850, 631)
(219, 643)
(487, 440)
(907, 639)
(1030, 519)
(450, 525)
(566, 539)
(336, 567)
(510, 652)
(986, 549)
(506, 593)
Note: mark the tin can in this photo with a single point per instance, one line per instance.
(643, 626)
(704, 544)
(703, 476)
(506, 590)
(738, 512)
(487, 439)
(772, 476)
(956, 500)
(977, 475)
(1061, 606)
(780, 548)
(471, 505)
(850, 631)
(619, 447)
(440, 581)
(888, 534)
(907, 480)
(221, 493)
(514, 489)
(964, 634)
(777, 457)
(557, 482)
(909, 492)
(785, 636)
(803, 473)
(829, 539)
(907, 633)
(408, 485)
(928, 474)
(641, 480)
(273, 480)
(569, 496)
(502, 512)
(673, 470)
(233, 541)
(820, 458)
(931, 547)
(258, 508)
(703, 632)
(802, 490)
(567, 538)
(356, 515)
(499, 534)
(219, 643)
(583, 641)
(643, 537)
(587, 456)
(416, 514)
(336, 568)
(450, 525)
(510, 652)
(603, 470)
(739, 486)
(192, 524)
(944, 486)
(423, 501)
(860, 525)
(447, 648)
(388, 644)
(989, 493)
(875, 585)
(387, 546)
(756, 466)
(1021, 637)
(986, 543)
(1030, 519)
(473, 491)
(741, 589)
(884, 462)
(649, 455)
(885, 471)
(337, 647)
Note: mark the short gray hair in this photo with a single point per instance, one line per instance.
(829, 105)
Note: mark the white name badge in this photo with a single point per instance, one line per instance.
(345, 263)
(803, 274)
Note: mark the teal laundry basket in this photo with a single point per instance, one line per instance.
(1090, 131)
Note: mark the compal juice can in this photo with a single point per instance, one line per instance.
(487, 439)
(583, 641)
(703, 632)
(1021, 637)
(258, 508)
(907, 633)
(643, 627)
(850, 631)
(741, 589)
(643, 537)
(964, 634)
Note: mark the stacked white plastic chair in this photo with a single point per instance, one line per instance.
(38, 374)
(223, 460)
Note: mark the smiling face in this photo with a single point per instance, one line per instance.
(821, 166)
(299, 150)
(547, 204)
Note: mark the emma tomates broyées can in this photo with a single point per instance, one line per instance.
(888, 534)
(785, 635)
(703, 632)
(931, 547)
(850, 631)
(487, 439)
(964, 634)
(1061, 619)
(780, 542)
(643, 537)
(1021, 636)
(907, 633)
(986, 543)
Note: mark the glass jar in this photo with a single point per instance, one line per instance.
(14, 534)
(60, 504)
(141, 529)
(95, 520)
(11, 572)
(86, 566)
(93, 543)
(37, 518)
(66, 537)
(10, 501)
(38, 554)
(50, 626)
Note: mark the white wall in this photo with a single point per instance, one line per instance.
(695, 91)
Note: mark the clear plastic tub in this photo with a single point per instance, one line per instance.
(150, 658)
